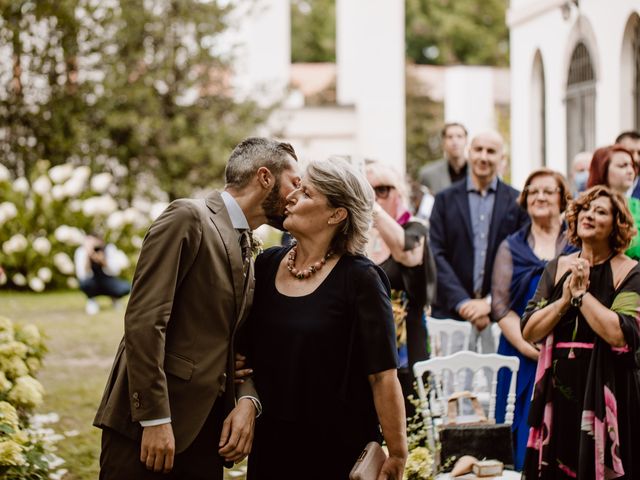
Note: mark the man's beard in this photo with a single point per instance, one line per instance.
(273, 207)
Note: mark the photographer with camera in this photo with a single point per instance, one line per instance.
(97, 268)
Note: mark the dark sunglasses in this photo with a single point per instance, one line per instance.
(382, 191)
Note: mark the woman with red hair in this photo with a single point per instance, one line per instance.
(613, 166)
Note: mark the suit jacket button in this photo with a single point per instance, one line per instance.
(137, 404)
(135, 395)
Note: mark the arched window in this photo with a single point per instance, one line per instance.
(538, 113)
(581, 103)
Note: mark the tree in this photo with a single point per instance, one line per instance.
(313, 30)
(133, 82)
(445, 32)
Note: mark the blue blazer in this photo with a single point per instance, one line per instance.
(451, 237)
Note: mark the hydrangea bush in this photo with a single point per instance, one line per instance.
(26, 449)
(45, 217)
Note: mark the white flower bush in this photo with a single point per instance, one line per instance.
(45, 217)
(27, 447)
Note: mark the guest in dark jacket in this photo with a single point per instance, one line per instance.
(469, 221)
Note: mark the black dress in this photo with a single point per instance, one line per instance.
(585, 412)
(311, 356)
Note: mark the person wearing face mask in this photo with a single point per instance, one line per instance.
(614, 167)
(580, 172)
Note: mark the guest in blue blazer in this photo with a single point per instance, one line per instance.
(469, 221)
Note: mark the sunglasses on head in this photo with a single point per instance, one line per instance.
(382, 191)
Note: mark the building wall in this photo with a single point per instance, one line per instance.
(542, 26)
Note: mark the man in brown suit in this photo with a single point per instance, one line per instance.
(171, 408)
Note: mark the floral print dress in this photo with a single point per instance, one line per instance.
(585, 412)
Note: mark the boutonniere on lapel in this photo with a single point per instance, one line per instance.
(256, 245)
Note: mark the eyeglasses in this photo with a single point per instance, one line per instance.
(547, 192)
(382, 191)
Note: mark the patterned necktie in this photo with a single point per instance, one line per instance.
(245, 248)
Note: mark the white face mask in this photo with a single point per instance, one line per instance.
(580, 180)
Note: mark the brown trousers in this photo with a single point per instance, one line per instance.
(120, 456)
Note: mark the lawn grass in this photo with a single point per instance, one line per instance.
(81, 350)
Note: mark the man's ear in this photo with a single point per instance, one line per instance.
(265, 177)
(338, 215)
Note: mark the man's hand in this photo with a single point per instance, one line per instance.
(237, 432)
(392, 468)
(474, 309)
(482, 322)
(158, 448)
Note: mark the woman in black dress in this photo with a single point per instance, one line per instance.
(585, 412)
(322, 339)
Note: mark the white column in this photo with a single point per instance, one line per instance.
(377, 28)
(469, 98)
(349, 43)
(263, 50)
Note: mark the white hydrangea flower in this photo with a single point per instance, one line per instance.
(5, 175)
(11, 454)
(16, 348)
(73, 283)
(63, 262)
(36, 284)
(101, 182)
(61, 173)
(21, 185)
(135, 217)
(69, 235)
(115, 221)
(157, 209)
(45, 274)
(27, 391)
(75, 205)
(6, 329)
(73, 187)
(17, 243)
(5, 385)
(83, 172)
(136, 241)
(19, 280)
(102, 205)
(42, 186)
(41, 245)
(9, 210)
(29, 334)
(58, 192)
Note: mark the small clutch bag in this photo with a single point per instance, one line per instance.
(369, 463)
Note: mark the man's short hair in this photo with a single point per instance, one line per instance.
(253, 153)
(443, 133)
(632, 134)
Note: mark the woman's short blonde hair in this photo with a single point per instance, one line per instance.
(623, 228)
(345, 187)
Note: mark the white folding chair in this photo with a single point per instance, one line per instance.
(433, 405)
(446, 334)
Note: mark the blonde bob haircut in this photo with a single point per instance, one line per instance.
(345, 187)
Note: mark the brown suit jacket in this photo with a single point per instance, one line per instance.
(188, 299)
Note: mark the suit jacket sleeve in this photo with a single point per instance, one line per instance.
(169, 249)
(450, 289)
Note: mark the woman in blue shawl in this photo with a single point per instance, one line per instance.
(519, 263)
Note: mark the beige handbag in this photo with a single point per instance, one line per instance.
(369, 463)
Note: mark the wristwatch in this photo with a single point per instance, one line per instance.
(577, 301)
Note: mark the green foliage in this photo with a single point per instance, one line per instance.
(445, 32)
(424, 121)
(313, 31)
(131, 80)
